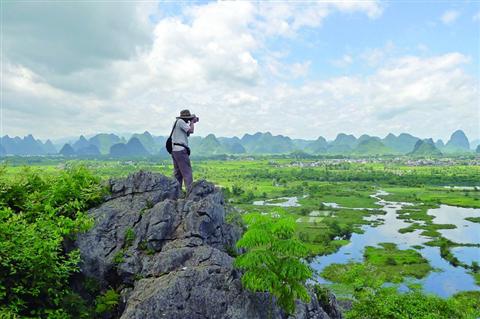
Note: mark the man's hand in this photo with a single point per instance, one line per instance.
(192, 126)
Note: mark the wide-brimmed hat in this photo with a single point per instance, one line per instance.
(185, 114)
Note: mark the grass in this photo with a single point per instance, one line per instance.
(473, 219)
(433, 195)
(386, 262)
(347, 184)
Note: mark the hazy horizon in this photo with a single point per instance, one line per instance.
(301, 70)
(128, 135)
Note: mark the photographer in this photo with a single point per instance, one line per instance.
(183, 127)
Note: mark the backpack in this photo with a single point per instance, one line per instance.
(168, 143)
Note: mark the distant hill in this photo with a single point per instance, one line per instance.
(207, 146)
(160, 140)
(300, 144)
(133, 148)
(266, 143)
(344, 139)
(3, 152)
(474, 144)
(49, 147)
(146, 144)
(404, 143)
(104, 141)
(439, 144)
(319, 146)
(27, 145)
(67, 150)
(458, 143)
(372, 146)
(90, 150)
(478, 149)
(80, 143)
(232, 145)
(342, 144)
(425, 147)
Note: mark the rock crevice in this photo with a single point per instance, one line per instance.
(168, 255)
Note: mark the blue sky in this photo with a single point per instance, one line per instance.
(413, 27)
(302, 69)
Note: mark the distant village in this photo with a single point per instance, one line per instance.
(398, 160)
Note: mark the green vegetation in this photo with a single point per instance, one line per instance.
(473, 219)
(372, 299)
(129, 237)
(320, 227)
(273, 261)
(432, 196)
(37, 212)
(387, 302)
(107, 302)
(387, 262)
(425, 148)
(476, 275)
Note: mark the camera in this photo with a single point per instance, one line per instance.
(195, 119)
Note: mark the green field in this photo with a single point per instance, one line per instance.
(330, 200)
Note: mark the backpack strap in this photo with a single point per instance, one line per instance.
(173, 128)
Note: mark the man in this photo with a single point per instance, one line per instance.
(183, 127)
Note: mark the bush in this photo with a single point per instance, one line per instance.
(37, 212)
(107, 301)
(236, 190)
(274, 260)
(389, 303)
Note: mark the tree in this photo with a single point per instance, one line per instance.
(274, 259)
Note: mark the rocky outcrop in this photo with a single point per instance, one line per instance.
(169, 256)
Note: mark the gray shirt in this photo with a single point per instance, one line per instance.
(180, 135)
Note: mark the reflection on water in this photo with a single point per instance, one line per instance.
(447, 280)
(287, 202)
(467, 188)
(467, 255)
(466, 231)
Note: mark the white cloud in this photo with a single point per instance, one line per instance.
(372, 8)
(378, 56)
(419, 93)
(300, 69)
(62, 37)
(214, 59)
(449, 16)
(285, 18)
(343, 61)
(476, 17)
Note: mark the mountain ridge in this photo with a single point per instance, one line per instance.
(146, 144)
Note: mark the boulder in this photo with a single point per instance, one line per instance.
(169, 255)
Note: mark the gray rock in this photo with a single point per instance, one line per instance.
(176, 265)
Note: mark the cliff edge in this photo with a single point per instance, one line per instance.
(168, 256)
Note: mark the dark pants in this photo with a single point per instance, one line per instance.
(182, 169)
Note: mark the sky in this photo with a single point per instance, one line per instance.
(303, 69)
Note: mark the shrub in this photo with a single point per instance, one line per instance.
(274, 260)
(107, 301)
(237, 191)
(386, 302)
(34, 270)
(37, 212)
